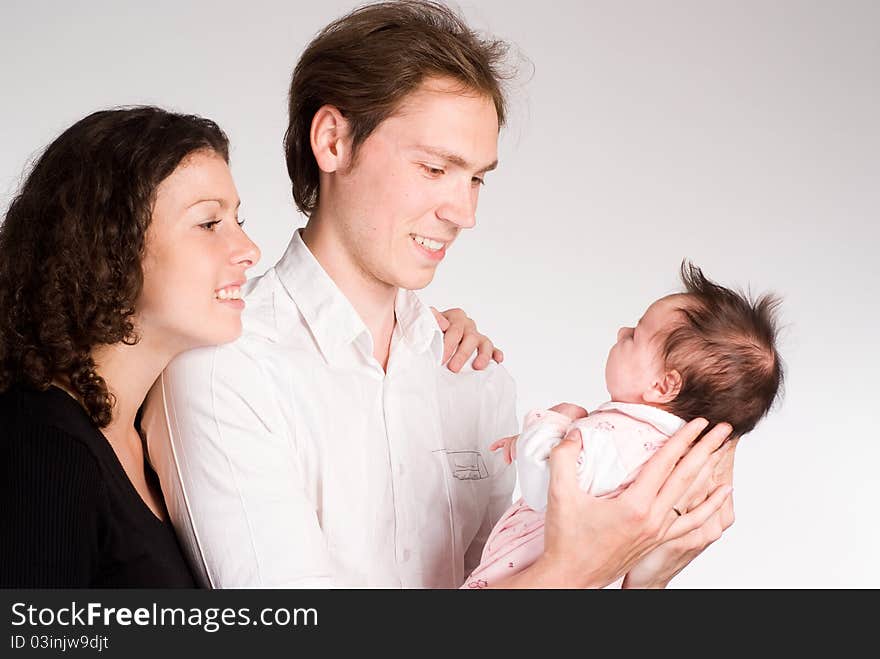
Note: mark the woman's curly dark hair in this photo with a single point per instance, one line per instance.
(72, 243)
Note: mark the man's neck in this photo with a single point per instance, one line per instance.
(373, 300)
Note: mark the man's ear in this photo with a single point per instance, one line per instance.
(665, 388)
(329, 139)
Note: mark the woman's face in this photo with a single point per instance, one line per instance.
(195, 258)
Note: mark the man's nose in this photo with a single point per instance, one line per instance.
(460, 207)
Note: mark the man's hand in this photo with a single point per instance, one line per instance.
(658, 567)
(461, 338)
(590, 542)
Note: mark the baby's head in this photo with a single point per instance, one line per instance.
(708, 352)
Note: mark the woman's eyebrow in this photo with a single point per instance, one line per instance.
(216, 201)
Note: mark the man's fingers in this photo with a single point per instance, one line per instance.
(497, 355)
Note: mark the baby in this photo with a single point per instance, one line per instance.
(707, 352)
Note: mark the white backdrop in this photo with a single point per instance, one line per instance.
(741, 134)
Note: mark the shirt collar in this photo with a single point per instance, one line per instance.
(664, 421)
(417, 324)
(332, 319)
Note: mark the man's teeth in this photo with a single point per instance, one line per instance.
(433, 245)
(228, 294)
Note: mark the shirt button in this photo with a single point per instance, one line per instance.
(400, 470)
(406, 555)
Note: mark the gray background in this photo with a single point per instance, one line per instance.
(743, 135)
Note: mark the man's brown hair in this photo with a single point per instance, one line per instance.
(365, 64)
(725, 350)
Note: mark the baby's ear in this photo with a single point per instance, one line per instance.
(664, 389)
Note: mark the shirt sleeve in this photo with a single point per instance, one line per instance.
(51, 488)
(227, 461)
(499, 406)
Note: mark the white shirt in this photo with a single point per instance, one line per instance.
(288, 458)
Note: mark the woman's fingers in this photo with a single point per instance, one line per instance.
(694, 519)
(451, 340)
(485, 348)
(689, 467)
(563, 463)
(703, 484)
(667, 475)
(466, 347)
(441, 319)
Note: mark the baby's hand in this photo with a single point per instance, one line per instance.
(509, 446)
(573, 412)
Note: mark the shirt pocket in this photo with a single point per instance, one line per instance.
(468, 482)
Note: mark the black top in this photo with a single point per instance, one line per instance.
(69, 515)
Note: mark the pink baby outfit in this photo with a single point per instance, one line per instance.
(618, 438)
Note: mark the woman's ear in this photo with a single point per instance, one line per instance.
(329, 139)
(665, 388)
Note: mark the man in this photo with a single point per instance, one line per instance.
(328, 446)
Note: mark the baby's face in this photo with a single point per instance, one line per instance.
(634, 364)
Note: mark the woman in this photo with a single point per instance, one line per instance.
(122, 249)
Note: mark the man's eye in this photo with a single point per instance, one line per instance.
(476, 180)
(209, 225)
(434, 172)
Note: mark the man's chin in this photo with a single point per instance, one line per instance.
(416, 281)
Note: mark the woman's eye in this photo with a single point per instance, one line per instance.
(209, 225)
(476, 180)
(434, 172)
(240, 222)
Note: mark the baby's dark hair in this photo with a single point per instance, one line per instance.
(725, 350)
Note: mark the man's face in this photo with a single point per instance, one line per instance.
(414, 183)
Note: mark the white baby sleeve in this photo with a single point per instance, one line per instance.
(542, 430)
(600, 470)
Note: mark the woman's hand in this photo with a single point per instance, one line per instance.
(461, 339)
(659, 566)
(591, 542)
